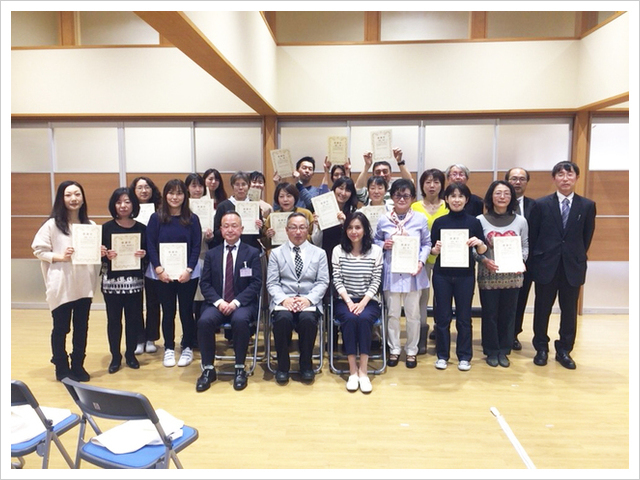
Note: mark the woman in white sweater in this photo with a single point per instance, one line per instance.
(69, 287)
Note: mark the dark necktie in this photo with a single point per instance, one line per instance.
(228, 277)
(565, 212)
(518, 210)
(298, 260)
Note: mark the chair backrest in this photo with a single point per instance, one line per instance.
(21, 395)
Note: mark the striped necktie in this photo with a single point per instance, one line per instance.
(298, 260)
(565, 212)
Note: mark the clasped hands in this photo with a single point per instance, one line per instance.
(296, 304)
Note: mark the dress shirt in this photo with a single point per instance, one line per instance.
(234, 255)
(302, 251)
(561, 197)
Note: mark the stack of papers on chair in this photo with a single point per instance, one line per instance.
(25, 423)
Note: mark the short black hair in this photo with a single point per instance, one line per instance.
(567, 166)
(437, 175)
(287, 187)
(378, 180)
(402, 184)
(306, 159)
(381, 162)
(256, 175)
(115, 196)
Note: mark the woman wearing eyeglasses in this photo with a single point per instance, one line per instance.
(403, 288)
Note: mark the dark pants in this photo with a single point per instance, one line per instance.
(498, 320)
(356, 329)
(131, 304)
(211, 319)
(184, 293)
(445, 289)
(78, 310)
(523, 296)
(151, 332)
(306, 324)
(568, 300)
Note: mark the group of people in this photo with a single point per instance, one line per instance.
(225, 269)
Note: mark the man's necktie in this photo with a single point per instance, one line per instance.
(518, 210)
(565, 212)
(298, 260)
(228, 277)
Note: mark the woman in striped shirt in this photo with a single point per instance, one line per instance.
(357, 274)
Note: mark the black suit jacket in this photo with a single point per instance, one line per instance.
(246, 288)
(550, 243)
(475, 206)
(528, 207)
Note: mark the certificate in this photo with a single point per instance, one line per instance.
(278, 221)
(254, 194)
(249, 212)
(381, 145)
(282, 162)
(326, 207)
(404, 254)
(125, 245)
(146, 210)
(203, 208)
(173, 258)
(508, 254)
(86, 244)
(455, 251)
(373, 214)
(337, 150)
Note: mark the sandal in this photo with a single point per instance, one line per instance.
(411, 361)
(393, 360)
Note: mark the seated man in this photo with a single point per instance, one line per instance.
(230, 283)
(297, 279)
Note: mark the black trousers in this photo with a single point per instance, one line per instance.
(211, 319)
(151, 330)
(183, 293)
(131, 304)
(523, 296)
(306, 324)
(78, 311)
(498, 319)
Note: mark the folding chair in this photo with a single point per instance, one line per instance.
(98, 402)
(40, 443)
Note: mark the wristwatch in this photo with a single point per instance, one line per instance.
(401, 162)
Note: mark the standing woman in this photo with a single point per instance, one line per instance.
(459, 282)
(69, 288)
(357, 274)
(432, 206)
(174, 223)
(499, 291)
(403, 288)
(215, 188)
(284, 199)
(122, 289)
(147, 192)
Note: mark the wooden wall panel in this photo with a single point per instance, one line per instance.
(23, 229)
(610, 241)
(479, 182)
(30, 194)
(610, 191)
(98, 188)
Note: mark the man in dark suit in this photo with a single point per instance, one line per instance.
(458, 173)
(230, 283)
(560, 231)
(519, 178)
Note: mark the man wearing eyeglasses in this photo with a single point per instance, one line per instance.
(297, 279)
(519, 178)
(382, 169)
(458, 173)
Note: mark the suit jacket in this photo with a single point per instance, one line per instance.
(282, 281)
(247, 288)
(550, 243)
(528, 207)
(475, 206)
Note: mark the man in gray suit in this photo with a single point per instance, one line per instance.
(297, 279)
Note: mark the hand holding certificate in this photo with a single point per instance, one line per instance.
(278, 221)
(326, 207)
(203, 208)
(86, 244)
(125, 245)
(455, 251)
(381, 145)
(404, 254)
(337, 150)
(173, 258)
(249, 212)
(508, 254)
(282, 162)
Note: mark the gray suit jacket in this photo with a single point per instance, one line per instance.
(282, 281)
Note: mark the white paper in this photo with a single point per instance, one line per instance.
(373, 214)
(381, 145)
(87, 240)
(405, 254)
(278, 221)
(326, 207)
(455, 251)
(173, 258)
(203, 208)
(508, 254)
(337, 150)
(146, 210)
(254, 194)
(125, 245)
(249, 212)
(282, 163)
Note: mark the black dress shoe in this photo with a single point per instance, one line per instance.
(432, 335)
(282, 377)
(517, 345)
(204, 381)
(308, 376)
(566, 361)
(80, 373)
(541, 358)
(114, 367)
(492, 360)
(240, 382)
(503, 361)
(133, 363)
(393, 359)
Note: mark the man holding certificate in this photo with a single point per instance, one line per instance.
(404, 236)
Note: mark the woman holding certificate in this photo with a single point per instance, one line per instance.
(456, 237)
(123, 247)
(285, 199)
(357, 274)
(173, 243)
(68, 284)
(404, 236)
(500, 272)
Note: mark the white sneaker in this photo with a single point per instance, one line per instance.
(185, 358)
(352, 383)
(441, 364)
(464, 365)
(169, 358)
(150, 347)
(365, 384)
(139, 349)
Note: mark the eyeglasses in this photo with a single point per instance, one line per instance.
(300, 228)
(143, 187)
(518, 179)
(402, 197)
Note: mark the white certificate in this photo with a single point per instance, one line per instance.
(282, 162)
(373, 214)
(405, 254)
(173, 258)
(508, 254)
(146, 210)
(203, 208)
(278, 221)
(381, 145)
(125, 245)
(455, 251)
(326, 207)
(86, 244)
(254, 194)
(249, 212)
(337, 150)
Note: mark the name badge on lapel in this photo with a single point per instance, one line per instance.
(245, 271)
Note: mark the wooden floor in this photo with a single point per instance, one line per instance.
(414, 419)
